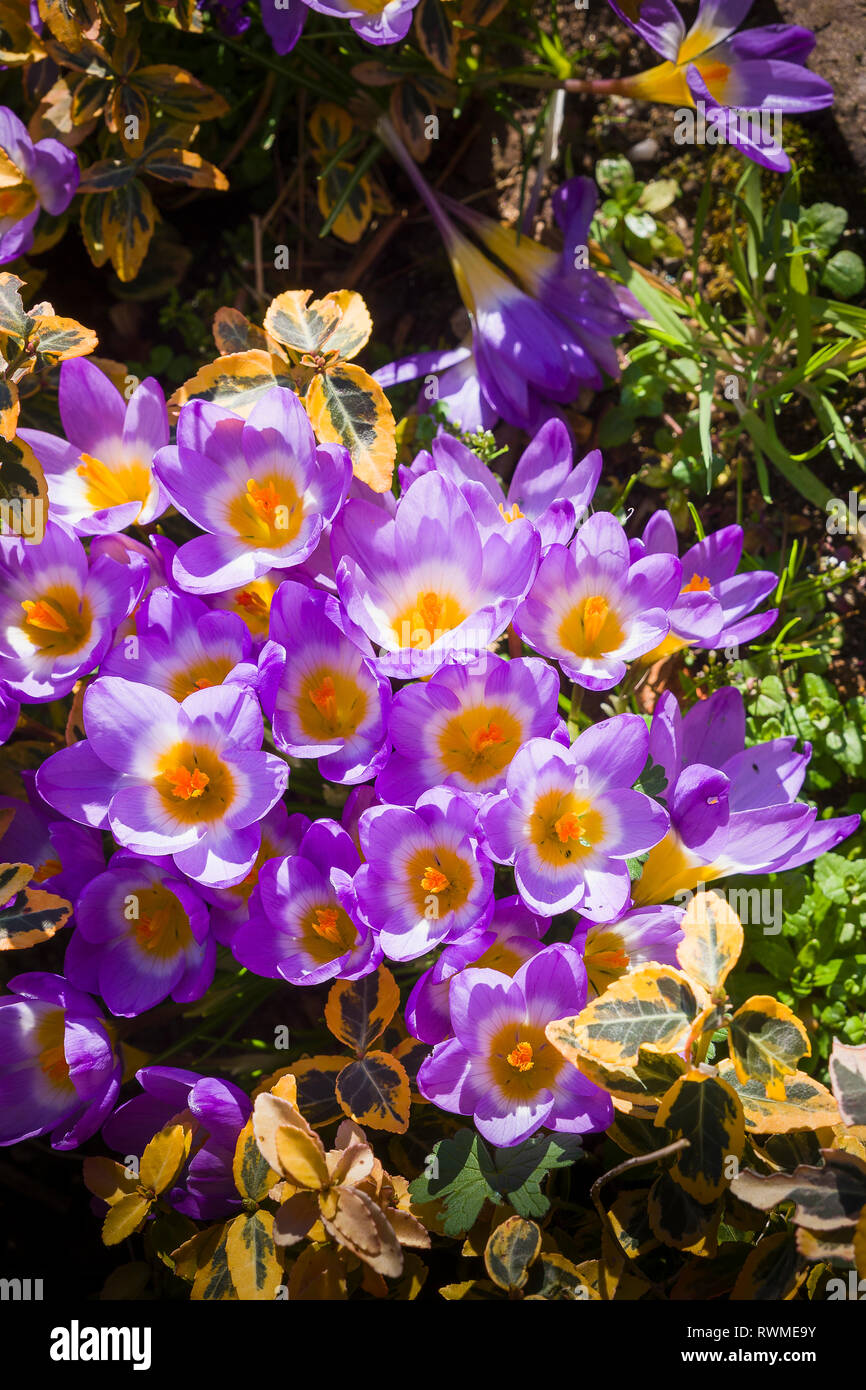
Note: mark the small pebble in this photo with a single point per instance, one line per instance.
(644, 150)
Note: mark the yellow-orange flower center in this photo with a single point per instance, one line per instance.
(426, 618)
(479, 743)
(328, 932)
(268, 514)
(330, 703)
(194, 784)
(564, 826)
(162, 926)
(51, 1033)
(110, 485)
(57, 622)
(569, 827)
(520, 1057)
(591, 628)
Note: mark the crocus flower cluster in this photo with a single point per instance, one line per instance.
(35, 175)
(403, 664)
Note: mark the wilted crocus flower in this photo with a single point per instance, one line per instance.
(329, 702)
(425, 878)
(186, 779)
(426, 584)
(204, 1189)
(542, 332)
(59, 1073)
(547, 488)
(760, 70)
(568, 820)
(141, 934)
(462, 728)
(261, 488)
(709, 567)
(500, 1068)
(511, 938)
(594, 610)
(58, 614)
(32, 177)
(100, 477)
(304, 924)
(732, 809)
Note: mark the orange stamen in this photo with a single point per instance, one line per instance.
(568, 827)
(697, 584)
(513, 514)
(53, 1062)
(595, 612)
(253, 602)
(324, 697)
(434, 881)
(264, 498)
(483, 738)
(186, 784)
(44, 614)
(325, 924)
(47, 870)
(520, 1057)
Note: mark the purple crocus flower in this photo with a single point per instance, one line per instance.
(709, 566)
(59, 1072)
(511, 938)
(569, 820)
(462, 728)
(35, 176)
(648, 935)
(64, 855)
(205, 1189)
(377, 21)
(759, 70)
(593, 610)
(500, 1068)
(425, 584)
(330, 702)
(547, 488)
(261, 488)
(57, 614)
(458, 387)
(425, 879)
(10, 709)
(304, 924)
(100, 477)
(281, 835)
(141, 934)
(185, 779)
(732, 809)
(541, 332)
(180, 645)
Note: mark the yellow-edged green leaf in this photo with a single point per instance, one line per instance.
(251, 1171)
(358, 1011)
(860, 1245)
(374, 1091)
(165, 1156)
(58, 339)
(316, 1079)
(709, 1114)
(23, 491)
(10, 408)
(774, 1270)
(13, 877)
(712, 941)
(272, 1113)
(676, 1217)
(124, 1218)
(34, 918)
(236, 381)
(177, 165)
(630, 1220)
(354, 216)
(300, 325)
(301, 1159)
(436, 36)
(806, 1103)
(234, 332)
(91, 224)
(177, 93)
(107, 1180)
(317, 1275)
(848, 1079)
(346, 406)
(826, 1198)
(213, 1281)
(355, 325)
(510, 1251)
(128, 221)
(14, 319)
(643, 1084)
(653, 1007)
(767, 1041)
(253, 1263)
(330, 127)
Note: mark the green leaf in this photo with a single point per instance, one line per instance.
(848, 1079)
(844, 274)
